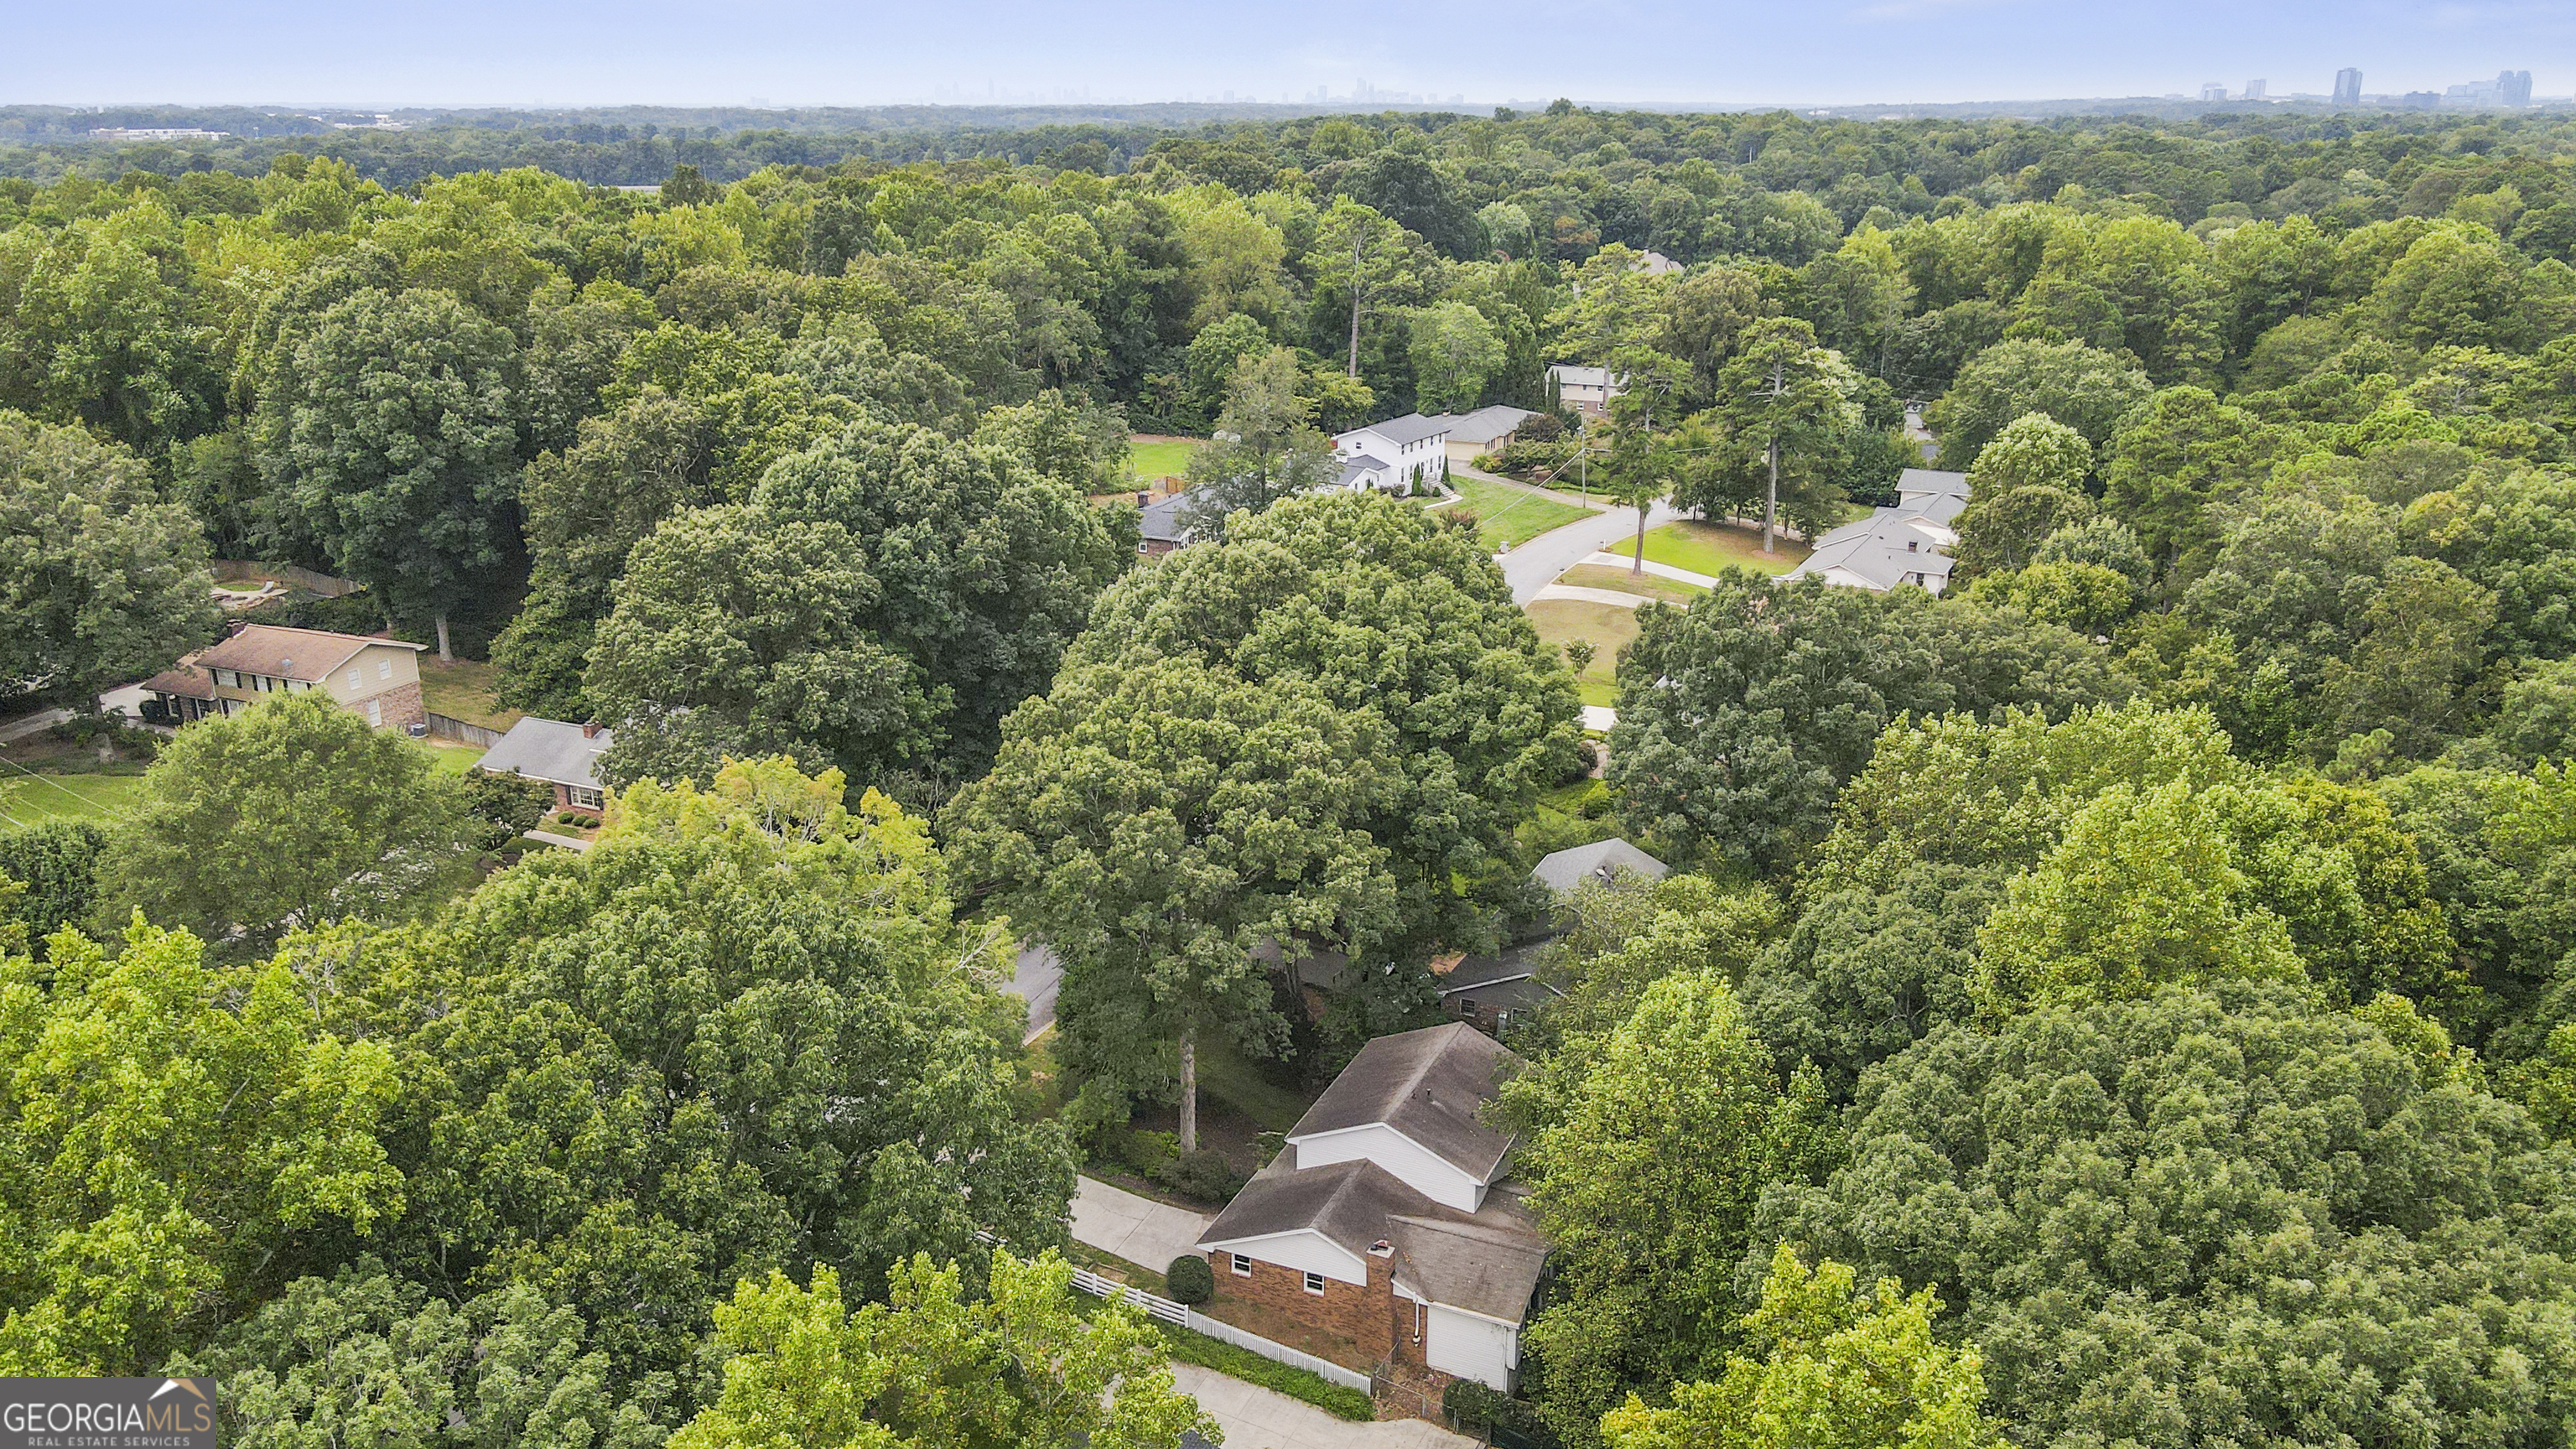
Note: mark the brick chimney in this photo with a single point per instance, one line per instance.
(590, 729)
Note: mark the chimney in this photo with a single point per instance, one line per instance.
(590, 729)
(1144, 496)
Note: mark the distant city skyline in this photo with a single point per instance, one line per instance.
(806, 52)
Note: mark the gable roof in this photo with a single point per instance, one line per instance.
(551, 750)
(1163, 521)
(1873, 552)
(283, 653)
(1575, 374)
(1932, 480)
(1411, 428)
(1484, 424)
(1563, 870)
(1428, 1085)
(1485, 1262)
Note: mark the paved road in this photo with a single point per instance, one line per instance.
(1146, 1233)
(1257, 1418)
(1535, 564)
(1034, 979)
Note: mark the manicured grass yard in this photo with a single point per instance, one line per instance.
(1229, 1076)
(1505, 514)
(1156, 459)
(1652, 586)
(464, 689)
(26, 800)
(1711, 548)
(450, 759)
(1610, 627)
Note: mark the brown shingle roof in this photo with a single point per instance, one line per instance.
(283, 653)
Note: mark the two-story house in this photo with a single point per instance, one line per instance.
(376, 679)
(1387, 1218)
(1400, 454)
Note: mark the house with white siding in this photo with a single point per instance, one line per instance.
(1400, 454)
(1388, 1218)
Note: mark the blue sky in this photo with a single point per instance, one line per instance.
(790, 52)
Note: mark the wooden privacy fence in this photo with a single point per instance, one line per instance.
(303, 578)
(1182, 1315)
(447, 727)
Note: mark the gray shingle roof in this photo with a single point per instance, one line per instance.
(1426, 1084)
(1161, 520)
(1875, 549)
(1486, 1264)
(1411, 428)
(1484, 424)
(1566, 869)
(550, 750)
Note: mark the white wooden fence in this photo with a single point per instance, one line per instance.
(1182, 1315)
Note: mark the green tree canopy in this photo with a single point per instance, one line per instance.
(176, 1141)
(2080, 386)
(932, 1366)
(292, 813)
(394, 435)
(102, 578)
(2213, 1217)
(1838, 1370)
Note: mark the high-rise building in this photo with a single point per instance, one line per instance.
(2348, 87)
(2254, 90)
(2513, 88)
(2213, 91)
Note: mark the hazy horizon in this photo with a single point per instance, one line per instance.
(794, 53)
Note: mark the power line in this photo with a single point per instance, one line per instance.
(66, 789)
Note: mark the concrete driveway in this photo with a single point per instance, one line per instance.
(1257, 1418)
(1535, 564)
(1035, 975)
(1146, 1233)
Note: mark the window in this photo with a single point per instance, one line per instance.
(585, 797)
(227, 679)
(376, 712)
(355, 679)
(384, 669)
(1314, 1281)
(1242, 1265)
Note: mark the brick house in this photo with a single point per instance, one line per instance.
(1386, 1217)
(556, 753)
(376, 679)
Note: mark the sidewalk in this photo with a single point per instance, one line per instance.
(1659, 570)
(1257, 1418)
(1146, 1233)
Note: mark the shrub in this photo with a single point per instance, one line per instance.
(1145, 1152)
(507, 800)
(1204, 1175)
(1190, 1280)
(1474, 1406)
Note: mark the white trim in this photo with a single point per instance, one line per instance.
(1250, 1248)
(1488, 1179)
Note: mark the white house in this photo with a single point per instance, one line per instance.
(1387, 1218)
(1907, 544)
(1407, 452)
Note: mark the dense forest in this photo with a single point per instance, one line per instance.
(2127, 999)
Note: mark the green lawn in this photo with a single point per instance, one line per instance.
(450, 759)
(464, 689)
(1710, 548)
(1610, 627)
(1156, 460)
(32, 800)
(1505, 514)
(1227, 1075)
(1652, 586)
